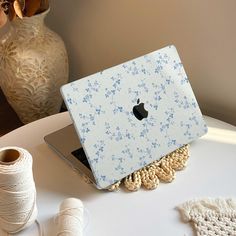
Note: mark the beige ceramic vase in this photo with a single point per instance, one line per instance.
(33, 66)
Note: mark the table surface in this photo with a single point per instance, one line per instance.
(210, 172)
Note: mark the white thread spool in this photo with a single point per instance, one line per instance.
(70, 218)
(17, 190)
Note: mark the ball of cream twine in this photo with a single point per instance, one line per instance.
(70, 218)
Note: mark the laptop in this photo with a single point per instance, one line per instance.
(128, 116)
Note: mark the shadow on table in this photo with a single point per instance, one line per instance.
(53, 174)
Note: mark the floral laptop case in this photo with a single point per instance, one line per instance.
(134, 113)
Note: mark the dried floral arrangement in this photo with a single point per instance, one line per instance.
(19, 8)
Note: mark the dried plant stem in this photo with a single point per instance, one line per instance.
(31, 7)
(21, 8)
(44, 5)
(17, 8)
(11, 13)
(3, 18)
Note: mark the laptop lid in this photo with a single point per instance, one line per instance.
(134, 113)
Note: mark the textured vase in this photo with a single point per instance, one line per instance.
(33, 66)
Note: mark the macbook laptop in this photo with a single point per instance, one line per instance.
(128, 116)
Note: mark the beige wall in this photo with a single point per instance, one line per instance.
(101, 33)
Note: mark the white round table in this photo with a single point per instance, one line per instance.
(210, 172)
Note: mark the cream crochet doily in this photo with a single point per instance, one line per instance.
(211, 217)
(150, 176)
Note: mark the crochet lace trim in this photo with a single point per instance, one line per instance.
(211, 217)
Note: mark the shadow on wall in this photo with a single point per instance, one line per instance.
(100, 34)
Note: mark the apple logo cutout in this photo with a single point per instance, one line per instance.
(139, 111)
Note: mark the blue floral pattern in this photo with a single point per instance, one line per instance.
(101, 105)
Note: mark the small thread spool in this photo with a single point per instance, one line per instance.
(17, 190)
(70, 218)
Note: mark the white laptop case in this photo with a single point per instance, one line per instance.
(116, 143)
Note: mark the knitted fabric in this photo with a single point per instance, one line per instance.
(211, 217)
